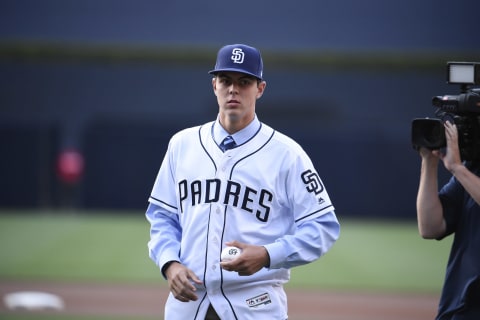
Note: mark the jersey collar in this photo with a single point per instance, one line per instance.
(240, 137)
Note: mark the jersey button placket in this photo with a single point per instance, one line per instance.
(215, 231)
(225, 166)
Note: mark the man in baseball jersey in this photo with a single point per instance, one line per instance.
(236, 182)
(455, 209)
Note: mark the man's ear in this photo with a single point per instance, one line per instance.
(214, 85)
(261, 89)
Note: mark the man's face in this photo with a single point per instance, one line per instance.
(237, 94)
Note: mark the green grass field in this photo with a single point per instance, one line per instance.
(112, 247)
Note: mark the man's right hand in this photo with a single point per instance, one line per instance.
(180, 280)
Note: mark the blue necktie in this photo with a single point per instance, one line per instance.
(227, 143)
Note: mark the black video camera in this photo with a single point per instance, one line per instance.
(462, 109)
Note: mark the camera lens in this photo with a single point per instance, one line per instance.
(428, 133)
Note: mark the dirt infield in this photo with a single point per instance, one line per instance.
(88, 299)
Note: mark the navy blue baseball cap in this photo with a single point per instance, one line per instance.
(239, 58)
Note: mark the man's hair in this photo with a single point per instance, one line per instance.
(215, 75)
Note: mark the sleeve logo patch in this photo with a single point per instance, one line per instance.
(264, 298)
(312, 182)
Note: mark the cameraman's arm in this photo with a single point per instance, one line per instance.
(453, 163)
(431, 223)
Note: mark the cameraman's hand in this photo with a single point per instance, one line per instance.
(453, 162)
(451, 159)
(428, 154)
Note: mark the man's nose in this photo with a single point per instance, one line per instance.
(233, 88)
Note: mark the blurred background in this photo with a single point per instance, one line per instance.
(91, 91)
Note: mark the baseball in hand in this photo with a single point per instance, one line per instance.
(230, 253)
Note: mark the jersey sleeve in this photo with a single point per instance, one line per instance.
(307, 193)
(316, 227)
(163, 192)
(165, 235)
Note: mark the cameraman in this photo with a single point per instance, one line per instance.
(453, 209)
